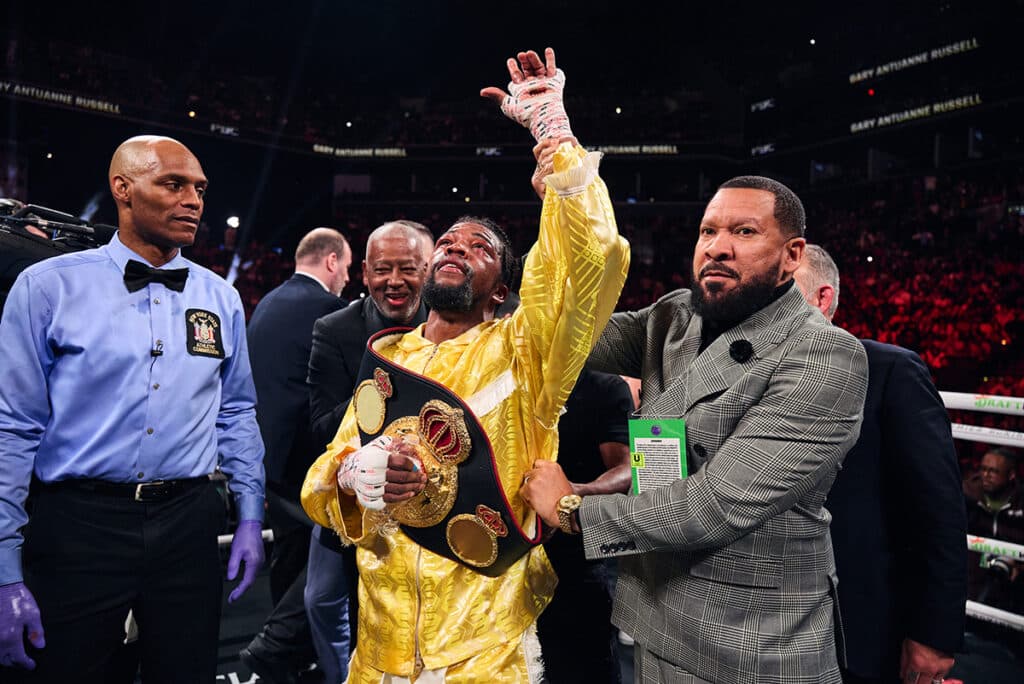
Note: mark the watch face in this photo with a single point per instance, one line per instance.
(566, 505)
(569, 503)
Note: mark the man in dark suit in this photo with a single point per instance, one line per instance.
(280, 337)
(727, 575)
(898, 524)
(397, 254)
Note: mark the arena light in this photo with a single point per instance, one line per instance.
(191, 113)
(870, 259)
(466, 199)
(348, 124)
(618, 110)
(454, 189)
(813, 42)
(49, 155)
(233, 222)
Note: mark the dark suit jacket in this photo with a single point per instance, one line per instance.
(280, 335)
(898, 524)
(339, 341)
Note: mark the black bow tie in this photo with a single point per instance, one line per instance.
(137, 275)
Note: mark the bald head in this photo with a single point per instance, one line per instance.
(141, 154)
(159, 186)
(318, 243)
(403, 229)
(818, 280)
(324, 253)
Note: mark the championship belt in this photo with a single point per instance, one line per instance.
(462, 513)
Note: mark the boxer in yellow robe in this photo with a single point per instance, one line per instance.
(422, 617)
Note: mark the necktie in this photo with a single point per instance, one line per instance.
(137, 275)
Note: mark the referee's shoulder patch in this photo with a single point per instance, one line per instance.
(203, 334)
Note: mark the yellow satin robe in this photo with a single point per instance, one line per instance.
(520, 370)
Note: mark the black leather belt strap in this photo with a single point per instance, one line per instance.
(479, 485)
(143, 492)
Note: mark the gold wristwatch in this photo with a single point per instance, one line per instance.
(567, 505)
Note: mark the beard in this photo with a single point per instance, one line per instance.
(399, 314)
(725, 309)
(457, 298)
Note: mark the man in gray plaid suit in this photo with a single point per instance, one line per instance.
(728, 575)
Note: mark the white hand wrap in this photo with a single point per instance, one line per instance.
(364, 472)
(536, 103)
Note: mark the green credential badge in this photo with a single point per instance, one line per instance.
(657, 449)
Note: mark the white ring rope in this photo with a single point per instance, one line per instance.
(995, 615)
(226, 539)
(990, 403)
(995, 547)
(1011, 406)
(977, 433)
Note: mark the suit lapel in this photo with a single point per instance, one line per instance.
(714, 370)
(678, 358)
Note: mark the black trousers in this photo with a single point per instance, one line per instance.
(582, 608)
(90, 557)
(285, 637)
(288, 555)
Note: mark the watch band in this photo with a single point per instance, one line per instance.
(566, 508)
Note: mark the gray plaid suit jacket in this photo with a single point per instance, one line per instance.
(728, 574)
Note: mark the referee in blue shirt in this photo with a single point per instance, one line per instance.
(126, 383)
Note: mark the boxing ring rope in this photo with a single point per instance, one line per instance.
(1010, 406)
(996, 616)
(977, 433)
(981, 611)
(996, 547)
(226, 539)
(989, 403)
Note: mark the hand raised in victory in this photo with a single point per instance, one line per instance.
(535, 95)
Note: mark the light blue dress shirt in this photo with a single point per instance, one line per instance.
(82, 396)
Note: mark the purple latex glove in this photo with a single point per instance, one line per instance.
(246, 546)
(18, 614)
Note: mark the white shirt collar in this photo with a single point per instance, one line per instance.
(313, 277)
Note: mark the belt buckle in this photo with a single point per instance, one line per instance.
(141, 488)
